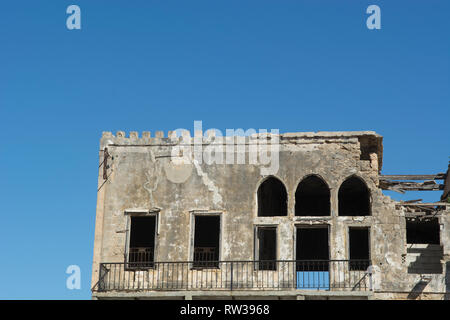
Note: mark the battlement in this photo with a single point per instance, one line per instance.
(133, 138)
(369, 141)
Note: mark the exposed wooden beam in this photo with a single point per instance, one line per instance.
(424, 204)
(439, 176)
(401, 186)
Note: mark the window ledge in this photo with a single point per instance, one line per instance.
(297, 218)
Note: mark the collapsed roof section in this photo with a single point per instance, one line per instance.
(414, 209)
(402, 183)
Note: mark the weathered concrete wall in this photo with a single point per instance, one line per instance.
(142, 176)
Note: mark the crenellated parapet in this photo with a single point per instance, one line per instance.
(146, 137)
(369, 142)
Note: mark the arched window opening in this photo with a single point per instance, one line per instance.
(354, 198)
(272, 198)
(312, 197)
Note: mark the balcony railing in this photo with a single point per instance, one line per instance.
(335, 275)
(140, 257)
(205, 257)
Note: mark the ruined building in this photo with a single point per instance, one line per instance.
(174, 226)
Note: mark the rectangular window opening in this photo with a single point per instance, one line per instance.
(141, 253)
(267, 248)
(422, 232)
(206, 241)
(424, 252)
(312, 254)
(359, 247)
(312, 249)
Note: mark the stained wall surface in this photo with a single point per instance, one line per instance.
(151, 174)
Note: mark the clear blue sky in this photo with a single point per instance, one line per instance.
(160, 65)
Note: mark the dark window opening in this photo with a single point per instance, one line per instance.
(142, 242)
(354, 198)
(272, 198)
(422, 232)
(359, 247)
(312, 198)
(312, 249)
(267, 248)
(424, 252)
(206, 241)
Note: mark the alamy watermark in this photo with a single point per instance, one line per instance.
(374, 20)
(260, 148)
(74, 280)
(74, 20)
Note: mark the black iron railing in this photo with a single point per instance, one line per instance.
(140, 257)
(238, 275)
(205, 257)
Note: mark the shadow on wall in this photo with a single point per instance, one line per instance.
(417, 290)
(424, 258)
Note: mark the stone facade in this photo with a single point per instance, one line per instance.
(141, 174)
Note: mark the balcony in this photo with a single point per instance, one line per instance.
(331, 275)
(140, 258)
(205, 257)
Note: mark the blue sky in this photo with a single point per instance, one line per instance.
(160, 65)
